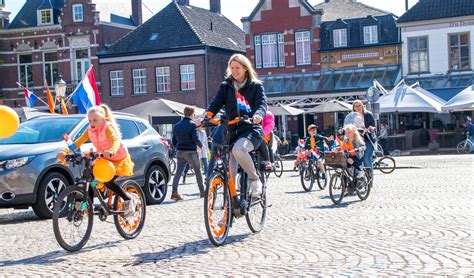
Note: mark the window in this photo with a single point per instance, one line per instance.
(188, 78)
(45, 17)
(128, 128)
(269, 51)
(303, 48)
(281, 50)
(77, 13)
(418, 55)
(83, 63)
(258, 52)
(25, 70)
(370, 34)
(139, 81)
(459, 52)
(340, 37)
(51, 67)
(116, 83)
(163, 80)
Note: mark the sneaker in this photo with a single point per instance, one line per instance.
(360, 174)
(129, 206)
(256, 188)
(176, 197)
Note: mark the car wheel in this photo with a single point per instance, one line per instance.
(156, 185)
(48, 191)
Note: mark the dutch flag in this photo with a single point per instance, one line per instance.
(242, 103)
(326, 147)
(86, 94)
(30, 97)
(315, 153)
(336, 145)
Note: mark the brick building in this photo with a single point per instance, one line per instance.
(322, 52)
(179, 54)
(52, 37)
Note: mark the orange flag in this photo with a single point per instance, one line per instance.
(63, 107)
(50, 99)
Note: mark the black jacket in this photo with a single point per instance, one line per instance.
(185, 135)
(254, 94)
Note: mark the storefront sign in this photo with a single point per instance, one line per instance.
(461, 23)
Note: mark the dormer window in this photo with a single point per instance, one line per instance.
(340, 37)
(45, 17)
(370, 34)
(77, 13)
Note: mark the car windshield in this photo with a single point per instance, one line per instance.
(42, 130)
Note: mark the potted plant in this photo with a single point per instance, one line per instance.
(433, 145)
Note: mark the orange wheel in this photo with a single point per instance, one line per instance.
(217, 209)
(130, 227)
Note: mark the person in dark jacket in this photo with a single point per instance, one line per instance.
(242, 94)
(186, 140)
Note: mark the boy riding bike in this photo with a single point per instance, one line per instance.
(105, 135)
(242, 94)
(320, 143)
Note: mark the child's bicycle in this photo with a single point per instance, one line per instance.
(74, 210)
(344, 180)
(222, 201)
(310, 172)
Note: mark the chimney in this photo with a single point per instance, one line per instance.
(137, 13)
(215, 6)
(4, 15)
(182, 2)
(406, 5)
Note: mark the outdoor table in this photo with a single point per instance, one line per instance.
(447, 139)
(396, 141)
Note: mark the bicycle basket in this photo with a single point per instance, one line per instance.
(335, 159)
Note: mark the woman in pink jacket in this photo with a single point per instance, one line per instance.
(268, 125)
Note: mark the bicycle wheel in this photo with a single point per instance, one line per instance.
(321, 178)
(337, 188)
(172, 163)
(131, 227)
(278, 167)
(463, 147)
(73, 224)
(386, 164)
(363, 186)
(306, 177)
(217, 209)
(257, 210)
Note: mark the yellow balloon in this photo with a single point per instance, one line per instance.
(10, 121)
(103, 170)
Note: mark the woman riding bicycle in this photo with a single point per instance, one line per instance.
(242, 94)
(104, 134)
(354, 144)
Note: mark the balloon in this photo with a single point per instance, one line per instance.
(10, 121)
(103, 170)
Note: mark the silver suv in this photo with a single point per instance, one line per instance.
(31, 176)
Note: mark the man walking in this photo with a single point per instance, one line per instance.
(186, 140)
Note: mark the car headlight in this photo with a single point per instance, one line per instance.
(16, 163)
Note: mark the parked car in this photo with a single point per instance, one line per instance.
(31, 176)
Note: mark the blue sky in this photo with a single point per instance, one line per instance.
(236, 9)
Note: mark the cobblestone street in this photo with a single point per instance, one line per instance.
(418, 220)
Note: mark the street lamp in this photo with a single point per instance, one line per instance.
(60, 88)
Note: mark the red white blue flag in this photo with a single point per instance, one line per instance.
(326, 147)
(30, 97)
(336, 145)
(242, 103)
(86, 94)
(315, 153)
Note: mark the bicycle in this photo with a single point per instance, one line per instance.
(222, 201)
(386, 164)
(172, 160)
(277, 167)
(74, 209)
(344, 179)
(465, 146)
(309, 172)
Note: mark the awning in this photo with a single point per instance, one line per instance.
(328, 80)
(445, 86)
(280, 110)
(464, 101)
(160, 108)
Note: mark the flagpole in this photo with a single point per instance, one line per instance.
(84, 77)
(23, 87)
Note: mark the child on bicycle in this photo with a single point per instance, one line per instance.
(354, 144)
(316, 141)
(104, 134)
(268, 124)
(300, 152)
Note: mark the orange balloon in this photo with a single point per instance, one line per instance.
(103, 170)
(10, 121)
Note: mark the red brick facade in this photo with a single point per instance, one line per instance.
(63, 40)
